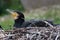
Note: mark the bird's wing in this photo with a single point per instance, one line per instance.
(36, 23)
(25, 24)
(40, 23)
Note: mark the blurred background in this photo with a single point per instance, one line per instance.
(32, 9)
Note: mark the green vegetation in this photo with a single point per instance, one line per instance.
(10, 4)
(7, 23)
(54, 14)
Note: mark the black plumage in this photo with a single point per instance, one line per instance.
(40, 23)
(20, 21)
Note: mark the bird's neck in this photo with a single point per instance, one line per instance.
(19, 22)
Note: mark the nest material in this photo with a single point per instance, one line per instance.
(34, 33)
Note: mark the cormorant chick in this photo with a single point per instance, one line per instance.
(20, 20)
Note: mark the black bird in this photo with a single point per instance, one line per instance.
(20, 20)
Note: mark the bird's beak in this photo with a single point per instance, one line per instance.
(14, 14)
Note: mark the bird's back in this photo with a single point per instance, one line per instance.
(26, 24)
(39, 23)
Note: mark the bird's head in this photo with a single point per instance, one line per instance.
(16, 14)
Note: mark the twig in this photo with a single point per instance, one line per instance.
(48, 24)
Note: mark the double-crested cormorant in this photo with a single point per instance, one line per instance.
(20, 20)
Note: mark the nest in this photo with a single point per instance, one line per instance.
(34, 33)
